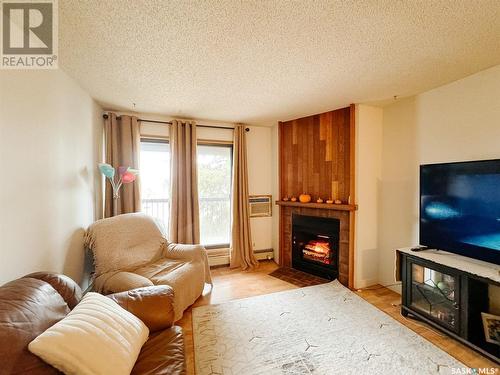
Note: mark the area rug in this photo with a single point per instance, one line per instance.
(323, 329)
(297, 278)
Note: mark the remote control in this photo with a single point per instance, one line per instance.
(419, 248)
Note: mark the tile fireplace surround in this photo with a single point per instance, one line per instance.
(315, 245)
(286, 240)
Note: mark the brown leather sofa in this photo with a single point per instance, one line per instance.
(33, 303)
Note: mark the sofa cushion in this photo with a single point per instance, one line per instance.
(159, 267)
(153, 305)
(163, 354)
(96, 337)
(65, 286)
(27, 308)
(121, 281)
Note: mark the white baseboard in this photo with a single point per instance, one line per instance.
(365, 283)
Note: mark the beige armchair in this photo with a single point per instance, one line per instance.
(131, 251)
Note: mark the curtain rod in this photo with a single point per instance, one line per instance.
(105, 116)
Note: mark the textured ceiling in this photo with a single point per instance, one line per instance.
(262, 61)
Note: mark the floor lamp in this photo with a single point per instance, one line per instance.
(126, 175)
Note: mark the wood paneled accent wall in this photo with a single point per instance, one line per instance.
(315, 156)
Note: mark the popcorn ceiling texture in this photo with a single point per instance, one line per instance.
(324, 329)
(263, 61)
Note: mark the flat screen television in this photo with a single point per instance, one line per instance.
(460, 208)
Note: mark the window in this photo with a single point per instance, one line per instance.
(155, 179)
(214, 190)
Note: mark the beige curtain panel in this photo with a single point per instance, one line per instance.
(184, 209)
(123, 145)
(241, 254)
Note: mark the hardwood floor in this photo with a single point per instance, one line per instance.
(235, 284)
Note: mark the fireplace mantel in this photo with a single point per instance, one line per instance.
(326, 206)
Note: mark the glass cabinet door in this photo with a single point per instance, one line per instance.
(435, 294)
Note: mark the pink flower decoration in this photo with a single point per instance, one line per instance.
(128, 177)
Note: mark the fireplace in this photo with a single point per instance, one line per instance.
(315, 245)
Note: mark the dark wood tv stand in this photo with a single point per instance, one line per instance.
(449, 292)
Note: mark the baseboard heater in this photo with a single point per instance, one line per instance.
(222, 258)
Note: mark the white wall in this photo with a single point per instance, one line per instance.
(398, 199)
(49, 142)
(259, 150)
(456, 122)
(368, 134)
(276, 190)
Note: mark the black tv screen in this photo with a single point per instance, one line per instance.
(460, 208)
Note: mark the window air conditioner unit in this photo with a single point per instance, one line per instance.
(260, 205)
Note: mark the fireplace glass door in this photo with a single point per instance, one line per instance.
(315, 242)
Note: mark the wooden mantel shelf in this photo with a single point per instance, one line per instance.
(326, 206)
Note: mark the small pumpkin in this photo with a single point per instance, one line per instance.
(338, 201)
(329, 201)
(304, 198)
(285, 199)
(319, 200)
(294, 199)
